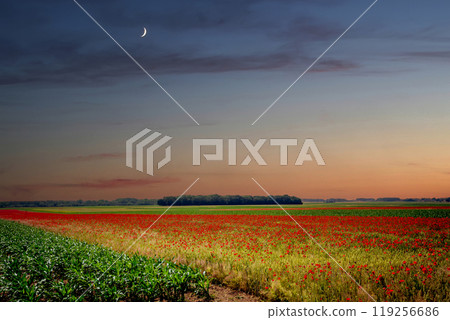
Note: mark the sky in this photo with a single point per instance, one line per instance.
(376, 104)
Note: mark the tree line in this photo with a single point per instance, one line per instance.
(386, 199)
(78, 203)
(215, 199)
(188, 200)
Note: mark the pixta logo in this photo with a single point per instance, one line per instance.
(144, 144)
(308, 148)
(144, 141)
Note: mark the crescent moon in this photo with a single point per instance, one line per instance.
(145, 32)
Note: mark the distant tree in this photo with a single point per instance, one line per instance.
(216, 199)
(313, 200)
(365, 199)
(387, 199)
(77, 203)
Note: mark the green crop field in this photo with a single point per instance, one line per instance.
(36, 265)
(419, 209)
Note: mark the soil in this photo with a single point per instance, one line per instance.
(224, 294)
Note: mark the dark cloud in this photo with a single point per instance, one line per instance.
(179, 63)
(91, 157)
(104, 67)
(306, 28)
(67, 47)
(62, 61)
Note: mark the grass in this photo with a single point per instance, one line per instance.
(315, 209)
(36, 265)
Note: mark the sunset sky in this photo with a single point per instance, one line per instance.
(377, 104)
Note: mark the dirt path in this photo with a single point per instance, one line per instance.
(224, 294)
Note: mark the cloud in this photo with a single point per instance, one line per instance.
(184, 15)
(332, 65)
(414, 164)
(427, 167)
(428, 55)
(17, 190)
(118, 183)
(29, 189)
(92, 157)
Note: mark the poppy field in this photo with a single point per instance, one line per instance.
(394, 253)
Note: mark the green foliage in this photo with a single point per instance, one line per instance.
(217, 200)
(36, 265)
